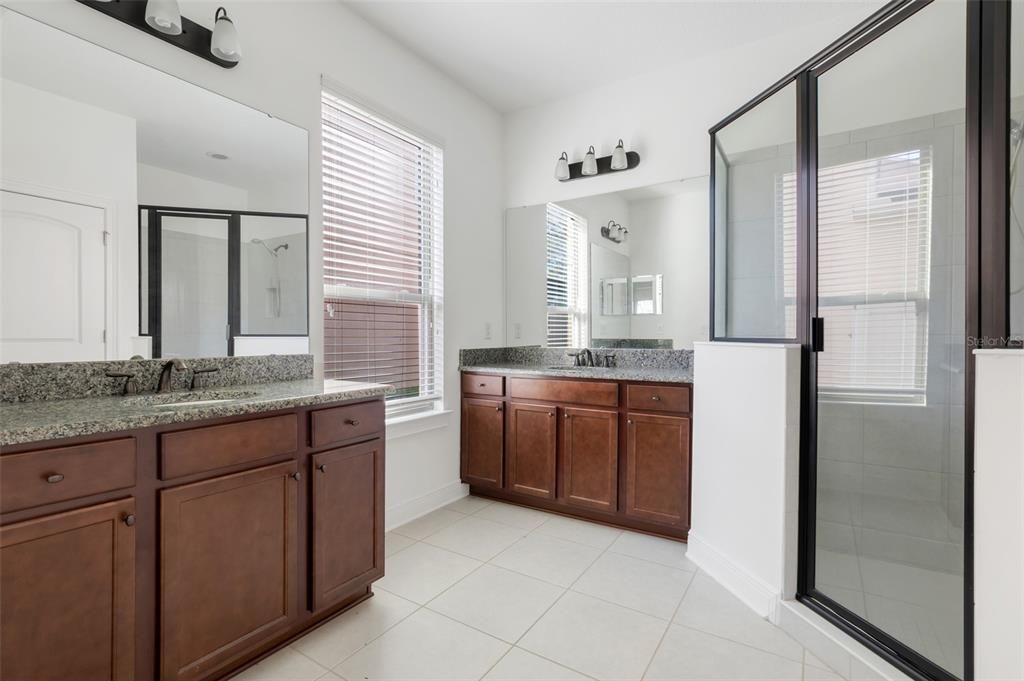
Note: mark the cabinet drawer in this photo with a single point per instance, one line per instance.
(483, 384)
(198, 450)
(49, 475)
(597, 393)
(658, 398)
(338, 424)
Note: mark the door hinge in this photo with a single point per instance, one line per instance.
(817, 334)
(104, 335)
(106, 237)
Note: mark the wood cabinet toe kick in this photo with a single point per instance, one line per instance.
(189, 551)
(615, 452)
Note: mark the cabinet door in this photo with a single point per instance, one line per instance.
(228, 567)
(532, 442)
(590, 458)
(658, 469)
(348, 521)
(67, 596)
(483, 442)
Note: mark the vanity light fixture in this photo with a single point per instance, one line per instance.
(614, 232)
(217, 155)
(164, 16)
(591, 165)
(562, 168)
(619, 157)
(224, 43)
(162, 19)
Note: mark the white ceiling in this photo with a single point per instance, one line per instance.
(516, 54)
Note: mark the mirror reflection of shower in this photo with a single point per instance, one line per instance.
(274, 287)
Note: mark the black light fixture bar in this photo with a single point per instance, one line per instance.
(194, 38)
(604, 165)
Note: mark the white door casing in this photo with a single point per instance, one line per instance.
(53, 280)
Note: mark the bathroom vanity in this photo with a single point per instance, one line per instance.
(604, 444)
(183, 536)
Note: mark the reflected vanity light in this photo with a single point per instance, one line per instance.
(591, 165)
(164, 16)
(162, 19)
(224, 42)
(614, 232)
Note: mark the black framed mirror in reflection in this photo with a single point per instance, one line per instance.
(570, 283)
(135, 221)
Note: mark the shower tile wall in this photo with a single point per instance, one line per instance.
(890, 502)
(260, 315)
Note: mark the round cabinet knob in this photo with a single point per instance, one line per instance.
(352, 422)
(483, 385)
(296, 475)
(54, 478)
(129, 519)
(497, 409)
(322, 468)
(567, 415)
(655, 398)
(551, 413)
(629, 420)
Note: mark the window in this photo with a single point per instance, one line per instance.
(382, 240)
(874, 231)
(566, 278)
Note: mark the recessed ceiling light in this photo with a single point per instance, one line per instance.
(219, 157)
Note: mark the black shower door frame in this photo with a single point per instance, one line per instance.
(152, 256)
(987, 195)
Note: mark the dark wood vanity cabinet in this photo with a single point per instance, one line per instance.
(229, 567)
(532, 445)
(67, 595)
(590, 458)
(187, 551)
(614, 452)
(348, 521)
(483, 442)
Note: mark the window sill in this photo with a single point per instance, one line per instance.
(414, 424)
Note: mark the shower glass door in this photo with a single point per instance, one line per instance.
(889, 379)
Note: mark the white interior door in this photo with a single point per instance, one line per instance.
(52, 280)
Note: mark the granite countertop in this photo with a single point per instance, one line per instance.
(650, 374)
(50, 420)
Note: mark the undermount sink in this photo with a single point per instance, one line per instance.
(569, 368)
(180, 399)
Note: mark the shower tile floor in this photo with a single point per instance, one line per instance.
(486, 590)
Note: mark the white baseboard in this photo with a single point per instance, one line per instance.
(407, 511)
(756, 593)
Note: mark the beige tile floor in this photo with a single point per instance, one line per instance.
(485, 590)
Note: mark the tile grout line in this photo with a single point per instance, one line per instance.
(671, 621)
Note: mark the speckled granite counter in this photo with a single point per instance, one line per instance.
(49, 420)
(657, 375)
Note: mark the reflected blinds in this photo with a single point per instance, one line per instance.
(382, 250)
(874, 235)
(566, 278)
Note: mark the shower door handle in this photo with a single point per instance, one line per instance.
(817, 334)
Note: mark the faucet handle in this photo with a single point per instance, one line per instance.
(131, 385)
(196, 373)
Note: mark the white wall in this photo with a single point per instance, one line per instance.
(288, 48)
(54, 147)
(999, 515)
(746, 422)
(663, 115)
(163, 187)
(669, 236)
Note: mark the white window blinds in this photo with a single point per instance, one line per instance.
(382, 249)
(566, 278)
(874, 235)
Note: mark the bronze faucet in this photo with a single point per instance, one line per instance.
(165, 374)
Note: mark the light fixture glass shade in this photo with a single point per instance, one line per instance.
(619, 157)
(164, 16)
(590, 163)
(224, 43)
(562, 168)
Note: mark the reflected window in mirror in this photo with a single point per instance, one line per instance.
(646, 294)
(566, 278)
